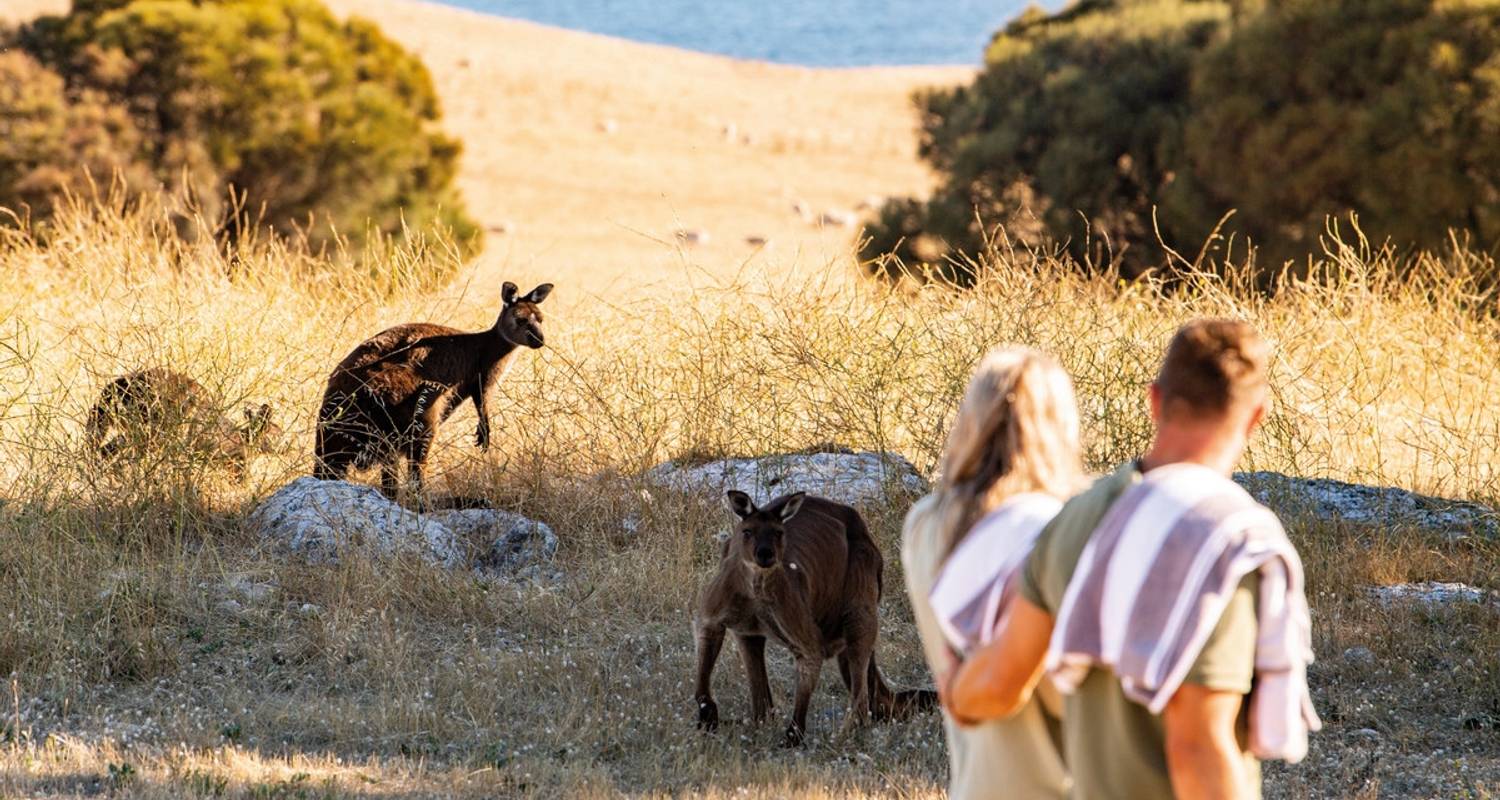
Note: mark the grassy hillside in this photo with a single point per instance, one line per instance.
(598, 210)
(131, 674)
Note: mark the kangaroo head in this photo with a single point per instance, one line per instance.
(259, 431)
(760, 538)
(520, 320)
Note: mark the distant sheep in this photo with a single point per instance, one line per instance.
(836, 218)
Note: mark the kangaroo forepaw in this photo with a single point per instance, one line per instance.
(708, 716)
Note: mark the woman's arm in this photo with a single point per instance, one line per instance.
(998, 679)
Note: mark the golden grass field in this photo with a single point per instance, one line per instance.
(126, 675)
(597, 211)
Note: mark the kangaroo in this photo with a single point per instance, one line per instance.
(386, 399)
(150, 404)
(806, 572)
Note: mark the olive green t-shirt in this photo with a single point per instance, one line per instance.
(1113, 745)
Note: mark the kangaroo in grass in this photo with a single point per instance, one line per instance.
(157, 405)
(806, 572)
(386, 399)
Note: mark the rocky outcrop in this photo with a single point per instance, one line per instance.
(326, 521)
(855, 478)
(1434, 594)
(1337, 501)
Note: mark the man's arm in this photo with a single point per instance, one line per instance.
(1203, 754)
(997, 680)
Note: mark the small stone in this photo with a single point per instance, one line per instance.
(631, 523)
(229, 607)
(1359, 655)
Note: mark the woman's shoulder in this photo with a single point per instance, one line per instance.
(920, 528)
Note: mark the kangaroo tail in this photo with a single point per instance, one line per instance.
(893, 705)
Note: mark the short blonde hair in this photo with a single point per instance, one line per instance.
(1016, 431)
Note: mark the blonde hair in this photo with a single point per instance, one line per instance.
(1016, 431)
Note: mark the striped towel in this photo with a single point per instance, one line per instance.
(978, 580)
(1195, 535)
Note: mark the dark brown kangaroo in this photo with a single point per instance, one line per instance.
(806, 572)
(143, 407)
(386, 399)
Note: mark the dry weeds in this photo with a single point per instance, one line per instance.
(131, 674)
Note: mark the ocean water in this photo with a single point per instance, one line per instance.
(823, 33)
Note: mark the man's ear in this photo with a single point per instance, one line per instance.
(1258, 415)
(508, 293)
(792, 505)
(1154, 393)
(539, 294)
(739, 502)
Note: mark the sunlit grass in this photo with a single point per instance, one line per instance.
(394, 679)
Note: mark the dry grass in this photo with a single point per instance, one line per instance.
(597, 211)
(127, 673)
(133, 676)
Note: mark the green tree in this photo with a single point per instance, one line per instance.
(1133, 126)
(1389, 109)
(53, 141)
(1076, 123)
(312, 125)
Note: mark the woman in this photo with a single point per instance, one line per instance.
(1012, 456)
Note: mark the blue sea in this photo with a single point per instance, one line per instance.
(823, 33)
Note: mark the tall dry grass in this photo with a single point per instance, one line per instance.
(393, 679)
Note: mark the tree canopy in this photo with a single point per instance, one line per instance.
(268, 112)
(1120, 129)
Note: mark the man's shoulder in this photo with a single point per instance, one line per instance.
(1061, 542)
(1080, 515)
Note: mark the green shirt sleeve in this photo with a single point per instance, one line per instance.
(1054, 557)
(1227, 661)
(1031, 573)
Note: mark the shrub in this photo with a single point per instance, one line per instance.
(1386, 108)
(54, 141)
(276, 111)
(1130, 128)
(1076, 123)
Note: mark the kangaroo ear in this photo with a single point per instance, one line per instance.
(508, 293)
(264, 412)
(740, 503)
(539, 294)
(792, 505)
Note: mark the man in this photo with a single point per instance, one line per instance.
(1207, 401)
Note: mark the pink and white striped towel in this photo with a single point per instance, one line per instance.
(1153, 582)
(974, 589)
